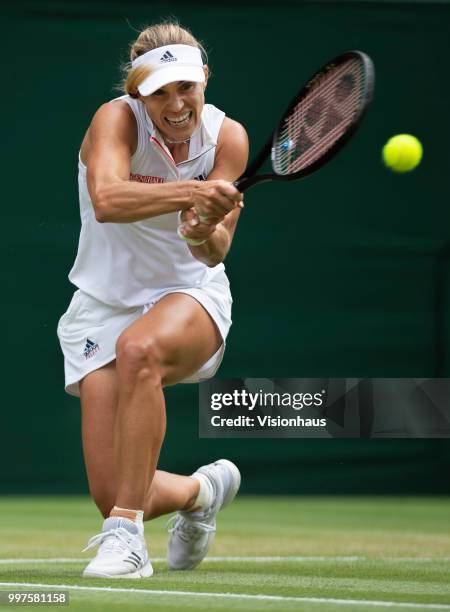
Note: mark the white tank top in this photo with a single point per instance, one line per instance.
(127, 264)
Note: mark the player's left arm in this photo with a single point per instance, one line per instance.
(229, 164)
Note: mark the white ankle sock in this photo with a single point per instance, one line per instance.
(205, 495)
(137, 516)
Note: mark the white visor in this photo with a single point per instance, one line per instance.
(169, 64)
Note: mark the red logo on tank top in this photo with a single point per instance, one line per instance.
(142, 178)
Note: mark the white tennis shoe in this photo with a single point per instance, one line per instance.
(122, 551)
(192, 533)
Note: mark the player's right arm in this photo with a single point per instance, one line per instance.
(111, 142)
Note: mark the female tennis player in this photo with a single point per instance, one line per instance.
(153, 304)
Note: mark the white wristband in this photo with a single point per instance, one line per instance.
(190, 241)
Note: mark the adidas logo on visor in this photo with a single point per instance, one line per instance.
(168, 57)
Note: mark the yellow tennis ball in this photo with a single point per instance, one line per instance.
(402, 153)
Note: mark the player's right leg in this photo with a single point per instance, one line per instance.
(122, 541)
(99, 393)
(167, 493)
(192, 531)
(122, 547)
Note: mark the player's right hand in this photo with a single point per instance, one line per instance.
(212, 200)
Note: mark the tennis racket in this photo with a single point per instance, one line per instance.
(318, 122)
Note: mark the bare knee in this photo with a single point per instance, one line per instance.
(138, 358)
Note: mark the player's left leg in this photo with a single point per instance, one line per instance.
(193, 531)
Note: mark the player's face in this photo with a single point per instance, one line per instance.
(176, 108)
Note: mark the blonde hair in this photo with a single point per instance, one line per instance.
(152, 37)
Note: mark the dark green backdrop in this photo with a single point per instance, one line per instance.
(338, 275)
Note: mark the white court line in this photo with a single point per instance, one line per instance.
(343, 559)
(281, 598)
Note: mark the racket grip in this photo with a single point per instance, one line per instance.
(245, 182)
(240, 184)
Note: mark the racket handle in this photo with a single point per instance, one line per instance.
(240, 184)
(245, 182)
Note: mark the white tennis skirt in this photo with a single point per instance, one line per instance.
(89, 329)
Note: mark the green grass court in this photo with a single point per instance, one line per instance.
(271, 553)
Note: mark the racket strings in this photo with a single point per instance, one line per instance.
(320, 117)
(316, 115)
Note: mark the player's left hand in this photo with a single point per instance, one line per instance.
(193, 228)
